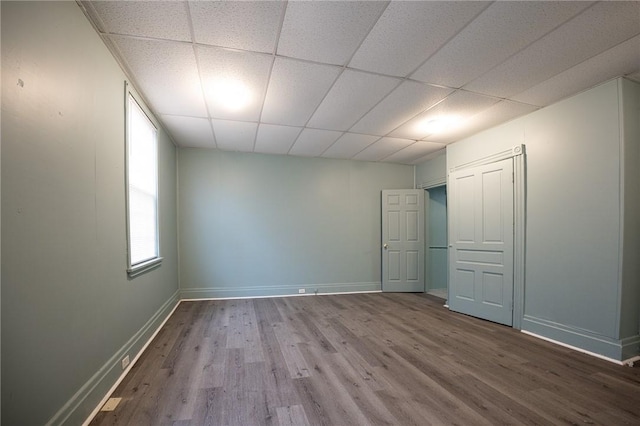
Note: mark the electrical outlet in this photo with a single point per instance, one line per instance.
(125, 362)
(302, 291)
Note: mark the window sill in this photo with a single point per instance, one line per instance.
(144, 267)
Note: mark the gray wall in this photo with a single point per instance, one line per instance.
(254, 224)
(437, 266)
(432, 172)
(573, 226)
(69, 311)
(630, 232)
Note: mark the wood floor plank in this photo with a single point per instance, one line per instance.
(277, 377)
(293, 359)
(292, 415)
(365, 359)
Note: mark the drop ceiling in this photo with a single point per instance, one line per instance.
(361, 80)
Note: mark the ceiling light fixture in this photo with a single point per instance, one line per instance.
(440, 124)
(231, 94)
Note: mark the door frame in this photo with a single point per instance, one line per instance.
(517, 153)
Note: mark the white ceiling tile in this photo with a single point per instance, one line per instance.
(247, 25)
(350, 98)
(409, 99)
(349, 145)
(158, 19)
(499, 32)
(496, 114)
(312, 142)
(234, 135)
(223, 68)
(460, 106)
(272, 139)
(408, 32)
(623, 59)
(166, 73)
(414, 152)
(382, 148)
(430, 156)
(190, 132)
(327, 32)
(295, 90)
(595, 30)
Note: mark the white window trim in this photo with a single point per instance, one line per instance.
(144, 266)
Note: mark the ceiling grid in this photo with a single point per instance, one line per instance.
(364, 80)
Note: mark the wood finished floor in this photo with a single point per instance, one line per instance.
(367, 359)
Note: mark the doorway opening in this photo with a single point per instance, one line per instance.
(436, 261)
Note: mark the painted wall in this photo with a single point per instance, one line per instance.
(630, 232)
(69, 311)
(432, 172)
(254, 224)
(573, 160)
(437, 221)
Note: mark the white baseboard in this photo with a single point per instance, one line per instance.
(629, 361)
(65, 414)
(124, 373)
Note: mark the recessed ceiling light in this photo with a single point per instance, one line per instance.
(433, 125)
(230, 94)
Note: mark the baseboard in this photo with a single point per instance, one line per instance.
(276, 291)
(631, 348)
(82, 406)
(582, 340)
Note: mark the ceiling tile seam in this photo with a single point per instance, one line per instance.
(229, 49)
(421, 112)
(274, 53)
(93, 16)
(531, 44)
(344, 67)
(197, 58)
(371, 27)
(147, 38)
(277, 55)
(428, 156)
(481, 129)
(266, 86)
(122, 63)
(400, 150)
(332, 144)
(449, 40)
(496, 98)
(571, 67)
(318, 106)
(407, 77)
(402, 80)
(126, 70)
(487, 95)
(264, 98)
(375, 141)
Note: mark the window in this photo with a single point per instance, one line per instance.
(142, 190)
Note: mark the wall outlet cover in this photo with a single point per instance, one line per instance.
(125, 362)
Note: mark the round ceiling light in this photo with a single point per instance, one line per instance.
(440, 124)
(230, 94)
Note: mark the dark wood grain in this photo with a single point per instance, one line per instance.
(367, 359)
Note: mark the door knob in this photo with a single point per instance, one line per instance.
(385, 246)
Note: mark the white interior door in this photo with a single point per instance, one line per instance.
(403, 240)
(481, 241)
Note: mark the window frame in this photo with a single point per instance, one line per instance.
(132, 99)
